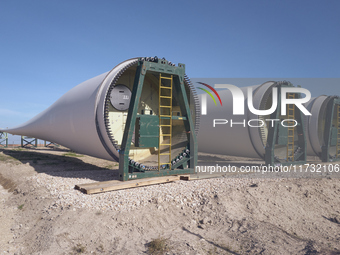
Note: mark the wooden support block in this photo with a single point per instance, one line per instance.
(94, 184)
(185, 177)
(98, 187)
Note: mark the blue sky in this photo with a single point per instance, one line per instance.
(48, 47)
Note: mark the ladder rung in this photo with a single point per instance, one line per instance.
(165, 106)
(165, 125)
(165, 97)
(165, 144)
(164, 154)
(165, 135)
(165, 163)
(165, 115)
(164, 87)
(166, 78)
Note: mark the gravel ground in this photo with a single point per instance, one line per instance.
(41, 212)
(181, 193)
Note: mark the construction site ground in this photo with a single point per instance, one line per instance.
(42, 213)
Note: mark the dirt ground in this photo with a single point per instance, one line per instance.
(286, 216)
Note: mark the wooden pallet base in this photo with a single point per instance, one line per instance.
(98, 187)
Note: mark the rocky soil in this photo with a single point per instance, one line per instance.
(42, 213)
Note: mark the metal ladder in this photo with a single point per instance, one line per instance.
(290, 134)
(165, 102)
(338, 132)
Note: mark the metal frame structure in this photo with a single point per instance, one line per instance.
(225, 133)
(332, 130)
(182, 164)
(293, 155)
(50, 144)
(3, 139)
(27, 142)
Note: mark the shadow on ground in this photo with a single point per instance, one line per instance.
(69, 164)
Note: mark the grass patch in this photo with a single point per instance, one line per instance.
(111, 166)
(18, 149)
(8, 159)
(20, 207)
(158, 246)
(212, 251)
(7, 183)
(100, 248)
(72, 154)
(21, 154)
(4, 158)
(78, 249)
